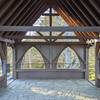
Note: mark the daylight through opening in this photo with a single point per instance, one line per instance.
(50, 18)
(33, 60)
(68, 60)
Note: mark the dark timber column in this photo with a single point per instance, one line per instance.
(82, 53)
(97, 66)
(18, 53)
(3, 54)
(14, 63)
(86, 63)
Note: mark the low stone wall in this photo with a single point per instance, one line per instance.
(51, 74)
(3, 81)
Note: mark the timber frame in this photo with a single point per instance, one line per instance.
(19, 49)
(17, 18)
(50, 54)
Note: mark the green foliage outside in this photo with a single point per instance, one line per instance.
(68, 62)
(0, 69)
(34, 65)
(92, 63)
(33, 60)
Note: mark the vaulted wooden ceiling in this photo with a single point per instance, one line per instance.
(26, 12)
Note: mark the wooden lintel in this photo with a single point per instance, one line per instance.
(53, 43)
(46, 37)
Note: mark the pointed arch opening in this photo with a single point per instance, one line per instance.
(33, 60)
(68, 59)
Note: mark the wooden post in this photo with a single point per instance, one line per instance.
(3, 53)
(4, 62)
(87, 63)
(14, 63)
(97, 65)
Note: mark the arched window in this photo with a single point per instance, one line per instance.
(0, 67)
(68, 60)
(33, 60)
